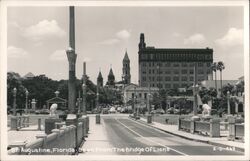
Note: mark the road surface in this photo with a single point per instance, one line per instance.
(128, 137)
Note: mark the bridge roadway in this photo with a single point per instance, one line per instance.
(128, 137)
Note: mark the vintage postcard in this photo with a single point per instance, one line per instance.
(124, 80)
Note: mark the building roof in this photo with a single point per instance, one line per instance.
(111, 72)
(126, 56)
(56, 100)
(29, 75)
(177, 50)
(99, 75)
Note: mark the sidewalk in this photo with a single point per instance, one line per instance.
(97, 142)
(173, 129)
(27, 134)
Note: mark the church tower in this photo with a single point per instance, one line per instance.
(100, 79)
(142, 44)
(111, 78)
(126, 77)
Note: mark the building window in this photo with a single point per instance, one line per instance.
(176, 85)
(184, 85)
(184, 64)
(191, 78)
(149, 78)
(153, 71)
(191, 64)
(144, 72)
(176, 79)
(133, 95)
(200, 71)
(145, 95)
(184, 71)
(167, 64)
(183, 78)
(200, 64)
(153, 85)
(208, 64)
(191, 71)
(149, 71)
(167, 78)
(144, 79)
(167, 85)
(153, 78)
(176, 64)
(168, 72)
(143, 64)
(200, 78)
(176, 72)
(139, 95)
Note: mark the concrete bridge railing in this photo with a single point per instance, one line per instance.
(210, 128)
(64, 140)
(18, 122)
(236, 129)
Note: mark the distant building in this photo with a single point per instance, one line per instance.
(211, 83)
(111, 79)
(29, 76)
(140, 93)
(172, 68)
(126, 77)
(100, 79)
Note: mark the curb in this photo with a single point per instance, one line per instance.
(192, 139)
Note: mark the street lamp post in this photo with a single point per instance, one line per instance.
(195, 92)
(84, 94)
(26, 101)
(14, 102)
(228, 103)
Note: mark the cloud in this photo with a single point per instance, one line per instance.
(87, 59)
(195, 39)
(15, 52)
(123, 34)
(233, 37)
(44, 29)
(110, 41)
(58, 55)
(119, 36)
(176, 34)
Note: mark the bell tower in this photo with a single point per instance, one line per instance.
(126, 77)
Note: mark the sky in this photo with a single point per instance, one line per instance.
(38, 37)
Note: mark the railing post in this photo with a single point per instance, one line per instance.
(192, 126)
(97, 118)
(50, 124)
(39, 124)
(13, 123)
(231, 124)
(179, 123)
(149, 118)
(214, 128)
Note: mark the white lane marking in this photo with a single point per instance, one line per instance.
(150, 139)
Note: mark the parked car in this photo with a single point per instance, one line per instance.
(112, 110)
(170, 110)
(105, 111)
(159, 111)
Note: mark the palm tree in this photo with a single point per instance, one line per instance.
(214, 69)
(220, 67)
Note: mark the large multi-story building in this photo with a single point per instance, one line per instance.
(173, 68)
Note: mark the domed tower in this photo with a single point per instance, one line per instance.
(111, 78)
(126, 77)
(100, 79)
(142, 43)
